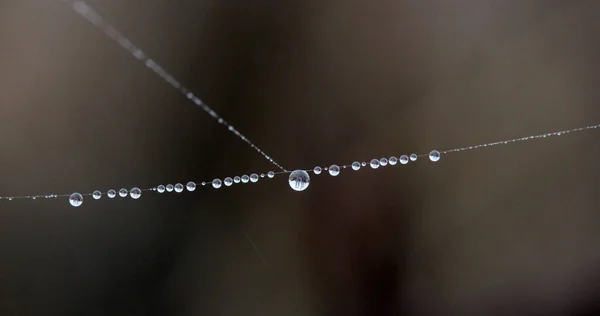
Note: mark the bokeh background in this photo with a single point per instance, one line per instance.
(509, 230)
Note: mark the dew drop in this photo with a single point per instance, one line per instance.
(374, 163)
(237, 179)
(245, 178)
(317, 170)
(299, 180)
(393, 161)
(111, 194)
(262, 175)
(191, 186)
(355, 165)
(413, 157)
(123, 192)
(179, 188)
(364, 164)
(404, 159)
(135, 193)
(271, 174)
(160, 189)
(216, 183)
(253, 177)
(228, 181)
(76, 199)
(97, 195)
(383, 162)
(169, 188)
(334, 170)
(434, 155)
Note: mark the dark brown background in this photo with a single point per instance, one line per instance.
(509, 230)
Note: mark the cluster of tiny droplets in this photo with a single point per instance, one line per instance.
(94, 18)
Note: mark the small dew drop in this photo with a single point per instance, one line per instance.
(317, 170)
(179, 188)
(393, 161)
(216, 183)
(160, 189)
(111, 194)
(271, 174)
(169, 188)
(97, 195)
(76, 199)
(355, 165)
(413, 157)
(245, 178)
(228, 181)
(123, 192)
(434, 155)
(374, 163)
(135, 193)
(191, 186)
(334, 170)
(254, 178)
(404, 159)
(383, 162)
(364, 164)
(299, 180)
(237, 179)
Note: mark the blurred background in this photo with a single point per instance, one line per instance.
(508, 230)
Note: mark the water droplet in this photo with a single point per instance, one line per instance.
(355, 165)
(179, 188)
(383, 162)
(191, 186)
(271, 174)
(216, 183)
(254, 177)
(404, 159)
(111, 194)
(237, 179)
(160, 189)
(123, 192)
(76, 199)
(135, 193)
(299, 180)
(97, 195)
(413, 157)
(434, 155)
(334, 170)
(245, 178)
(228, 181)
(262, 175)
(364, 163)
(393, 161)
(317, 170)
(11, 198)
(374, 163)
(169, 188)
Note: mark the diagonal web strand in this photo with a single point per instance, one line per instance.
(94, 18)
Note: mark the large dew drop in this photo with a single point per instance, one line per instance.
(97, 195)
(111, 194)
(355, 165)
(299, 180)
(135, 193)
(178, 187)
(374, 163)
(334, 170)
(216, 183)
(254, 178)
(191, 186)
(76, 199)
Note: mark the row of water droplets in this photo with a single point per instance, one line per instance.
(299, 179)
(98, 21)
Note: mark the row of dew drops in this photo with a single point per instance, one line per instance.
(299, 180)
